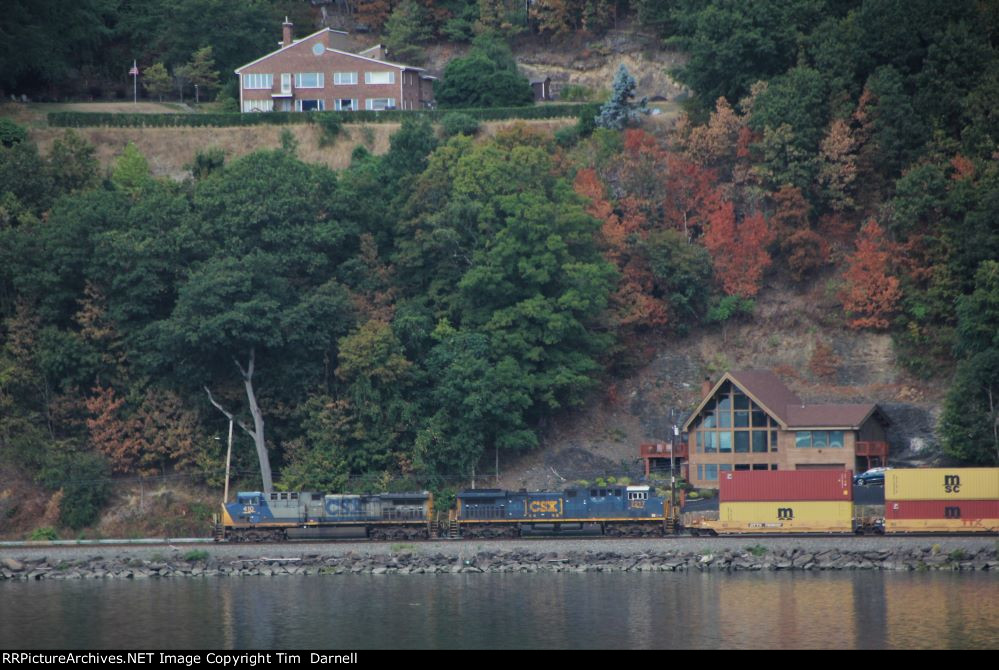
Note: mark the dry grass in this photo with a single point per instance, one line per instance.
(170, 149)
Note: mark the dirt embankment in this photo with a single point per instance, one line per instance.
(788, 326)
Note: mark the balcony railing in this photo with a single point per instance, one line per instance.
(662, 450)
(879, 449)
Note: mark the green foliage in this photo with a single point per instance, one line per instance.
(43, 534)
(196, 555)
(73, 165)
(730, 307)
(330, 127)
(131, 171)
(734, 44)
(11, 133)
(85, 481)
(157, 81)
(683, 274)
(224, 120)
(458, 123)
(405, 30)
(207, 162)
(486, 77)
(575, 93)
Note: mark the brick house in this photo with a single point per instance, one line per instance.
(749, 420)
(316, 73)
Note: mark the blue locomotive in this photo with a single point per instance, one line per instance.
(613, 510)
(274, 517)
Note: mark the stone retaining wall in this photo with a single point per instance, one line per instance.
(753, 558)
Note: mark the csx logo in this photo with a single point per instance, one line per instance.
(952, 484)
(543, 507)
(785, 513)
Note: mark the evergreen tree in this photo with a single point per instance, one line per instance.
(619, 111)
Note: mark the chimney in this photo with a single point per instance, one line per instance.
(286, 28)
(706, 387)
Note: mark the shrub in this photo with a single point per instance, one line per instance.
(206, 162)
(567, 137)
(330, 127)
(11, 133)
(459, 123)
(43, 534)
(226, 120)
(196, 555)
(575, 93)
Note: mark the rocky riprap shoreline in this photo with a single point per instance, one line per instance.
(405, 562)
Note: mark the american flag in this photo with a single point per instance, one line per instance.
(135, 70)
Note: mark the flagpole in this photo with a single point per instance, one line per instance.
(135, 82)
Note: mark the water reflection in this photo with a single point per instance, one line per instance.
(593, 610)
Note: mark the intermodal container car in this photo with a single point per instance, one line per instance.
(784, 516)
(942, 484)
(786, 485)
(942, 525)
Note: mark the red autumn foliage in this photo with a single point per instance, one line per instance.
(738, 251)
(633, 302)
(963, 168)
(870, 294)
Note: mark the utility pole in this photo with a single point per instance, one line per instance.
(672, 465)
(228, 459)
(135, 82)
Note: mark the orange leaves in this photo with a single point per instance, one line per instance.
(159, 433)
(738, 251)
(870, 294)
(110, 433)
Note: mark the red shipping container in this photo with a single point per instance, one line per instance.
(942, 509)
(785, 485)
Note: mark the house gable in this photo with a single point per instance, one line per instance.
(769, 397)
(306, 43)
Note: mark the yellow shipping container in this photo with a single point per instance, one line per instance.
(942, 484)
(778, 517)
(941, 525)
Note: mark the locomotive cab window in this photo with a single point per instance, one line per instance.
(638, 495)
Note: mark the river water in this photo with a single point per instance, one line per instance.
(760, 610)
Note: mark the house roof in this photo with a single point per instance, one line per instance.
(767, 390)
(375, 60)
(345, 53)
(829, 415)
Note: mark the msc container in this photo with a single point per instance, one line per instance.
(942, 509)
(783, 517)
(942, 484)
(785, 485)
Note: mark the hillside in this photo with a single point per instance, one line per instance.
(407, 307)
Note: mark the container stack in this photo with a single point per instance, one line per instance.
(929, 500)
(819, 501)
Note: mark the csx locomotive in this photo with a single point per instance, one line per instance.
(612, 510)
(274, 517)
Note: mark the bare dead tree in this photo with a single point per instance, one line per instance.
(257, 433)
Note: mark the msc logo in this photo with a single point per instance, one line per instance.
(543, 507)
(785, 514)
(952, 512)
(952, 484)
